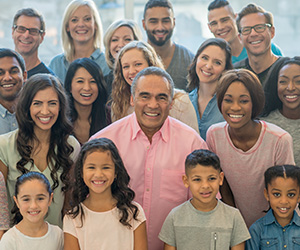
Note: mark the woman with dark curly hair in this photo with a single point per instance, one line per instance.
(43, 142)
(103, 214)
(85, 88)
(282, 92)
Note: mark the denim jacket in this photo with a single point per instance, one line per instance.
(267, 233)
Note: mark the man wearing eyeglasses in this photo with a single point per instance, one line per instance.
(221, 22)
(256, 30)
(28, 33)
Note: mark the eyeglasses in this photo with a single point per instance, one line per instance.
(32, 31)
(259, 28)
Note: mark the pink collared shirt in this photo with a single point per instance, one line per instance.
(155, 169)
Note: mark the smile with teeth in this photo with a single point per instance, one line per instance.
(86, 95)
(256, 42)
(283, 209)
(291, 96)
(206, 73)
(98, 182)
(44, 119)
(151, 114)
(34, 212)
(7, 85)
(224, 33)
(235, 116)
(81, 31)
(25, 42)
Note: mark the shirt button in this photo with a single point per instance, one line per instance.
(148, 169)
(283, 230)
(148, 147)
(147, 189)
(284, 246)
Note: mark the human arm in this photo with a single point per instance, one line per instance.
(140, 237)
(4, 213)
(3, 170)
(70, 242)
(168, 247)
(240, 246)
(226, 193)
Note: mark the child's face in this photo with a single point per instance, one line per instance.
(99, 172)
(283, 195)
(33, 200)
(204, 182)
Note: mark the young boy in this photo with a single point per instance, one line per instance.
(204, 222)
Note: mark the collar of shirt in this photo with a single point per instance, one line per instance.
(4, 112)
(270, 218)
(164, 131)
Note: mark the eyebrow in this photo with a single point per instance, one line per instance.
(27, 195)
(245, 95)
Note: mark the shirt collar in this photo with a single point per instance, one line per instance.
(269, 219)
(163, 132)
(95, 54)
(3, 111)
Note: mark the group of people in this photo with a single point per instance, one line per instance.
(146, 145)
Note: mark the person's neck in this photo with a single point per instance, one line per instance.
(207, 90)
(262, 62)
(31, 61)
(83, 112)
(246, 133)
(83, 50)
(9, 105)
(290, 114)
(165, 51)
(100, 202)
(236, 47)
(37, 229)
(42, 136)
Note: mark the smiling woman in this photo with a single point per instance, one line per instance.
(246, 145)
(81, 37)
(43, 142)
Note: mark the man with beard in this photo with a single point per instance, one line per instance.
(12, 76)
(256, 30)
(159, 23)
(28, 33)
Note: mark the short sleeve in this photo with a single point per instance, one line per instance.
(4, 214)
(69, 225)
(140, 217)
(76, 147)
(240, 231)
(210, 140)
(167, 232)
(7, 241)
(284, 150)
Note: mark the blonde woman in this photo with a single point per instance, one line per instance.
(133, 58)
(81, 37)
(117, 35)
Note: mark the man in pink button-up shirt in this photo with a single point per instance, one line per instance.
(153, 147)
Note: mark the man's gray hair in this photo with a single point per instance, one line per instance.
(153, 71)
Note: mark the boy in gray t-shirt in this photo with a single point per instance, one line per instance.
(204, 222)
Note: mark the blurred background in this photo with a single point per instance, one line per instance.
(191, 21)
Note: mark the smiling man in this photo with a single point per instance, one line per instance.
(12, 76)
(159, 23)
(28, 33)
(153, 147)
(256, 30)
(222, 24)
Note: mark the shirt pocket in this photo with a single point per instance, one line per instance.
(220, 239)
(296, 243)
(172, 187)
(269, 244)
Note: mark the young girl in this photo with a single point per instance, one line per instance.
(212, 59)
(280, 227)
(43, 142)
(85, 88)
(33, 196)
(282, 90)
(103, 214)
(4, 215)
(133, 58)
(245, 145)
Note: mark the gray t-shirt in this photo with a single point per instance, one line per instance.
(289, 125)
(178, 68)
(187, 228)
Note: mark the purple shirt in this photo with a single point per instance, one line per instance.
(155, 169)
